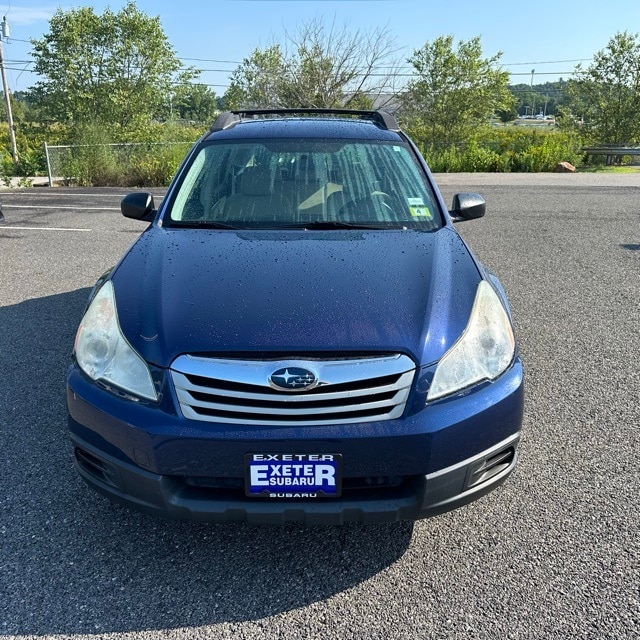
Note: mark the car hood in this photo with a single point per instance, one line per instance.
(294, 292)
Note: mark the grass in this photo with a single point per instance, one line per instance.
(602, 168)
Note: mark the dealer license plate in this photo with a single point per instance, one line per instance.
(293, 475)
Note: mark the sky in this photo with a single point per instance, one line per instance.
(214, 35)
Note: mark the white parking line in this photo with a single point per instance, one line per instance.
(5, 227)
(49, 194)
(60, 207)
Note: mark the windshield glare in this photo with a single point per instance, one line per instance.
(289, 183)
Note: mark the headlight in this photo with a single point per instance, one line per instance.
(103, 353)
(483, 351)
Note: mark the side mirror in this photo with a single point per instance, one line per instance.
(139, 206)
(467, 206)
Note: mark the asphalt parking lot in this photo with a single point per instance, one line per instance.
(553, 553)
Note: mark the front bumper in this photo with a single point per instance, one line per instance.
(420, 497)
(435, 459)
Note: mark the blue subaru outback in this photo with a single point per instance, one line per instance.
(299, 335)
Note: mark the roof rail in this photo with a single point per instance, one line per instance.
(229, 119)
(225, 121)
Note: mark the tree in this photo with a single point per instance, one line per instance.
(114, 68)
(508, 114)
(193, 102)
(606, 95)
(453, 91)
(19, 106)
(258, 81)
(545, 97)
(317, 67)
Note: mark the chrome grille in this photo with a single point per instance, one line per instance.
(364, 389)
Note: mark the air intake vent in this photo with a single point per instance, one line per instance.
(95, 467)
(492, 466)
(243, 391)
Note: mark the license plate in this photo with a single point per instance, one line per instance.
(293, 475)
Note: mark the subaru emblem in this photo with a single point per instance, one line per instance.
(293, 379)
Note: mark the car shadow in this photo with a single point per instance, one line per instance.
(73, 563)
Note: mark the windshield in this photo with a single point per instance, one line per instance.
(305, 183)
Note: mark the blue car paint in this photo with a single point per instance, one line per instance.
(420, 442)
(307, 129)
(204, 291)
(336, 292)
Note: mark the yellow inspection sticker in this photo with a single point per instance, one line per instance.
(418, 209)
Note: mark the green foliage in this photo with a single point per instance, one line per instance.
(91, 162)
(506, 150)
(545, 150)
(315, 68)
(30, 138)
(114, 67)
(473, 158)
(544, 98)
(111, 78)
(154, 166)
(454, 91)
(507, 114)
(193, 102)
(97, 158)
(257, 81)
(19, 107)
(605, 97)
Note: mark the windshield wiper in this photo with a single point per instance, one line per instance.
(334, 224)
(210, 224)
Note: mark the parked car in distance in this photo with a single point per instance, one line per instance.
(300, 334)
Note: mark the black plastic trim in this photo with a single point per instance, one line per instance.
(169, 497)
(229, 119)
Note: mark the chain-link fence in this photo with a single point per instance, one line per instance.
(120, 164)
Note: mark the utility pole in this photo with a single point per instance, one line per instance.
(533, 98)
(7, 96)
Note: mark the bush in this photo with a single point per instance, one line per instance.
(505, 150)
(155, 166)
(30, 139)
(95, 160)
(146, 157)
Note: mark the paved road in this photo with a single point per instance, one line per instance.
(554, 553)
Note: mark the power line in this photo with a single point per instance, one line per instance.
(219, 61)
(401, 67)
(515, 64)
(212, 60)
(545, 73)
(407, 72)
